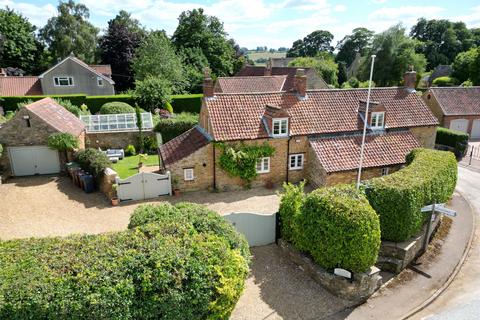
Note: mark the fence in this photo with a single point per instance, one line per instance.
(473, 152)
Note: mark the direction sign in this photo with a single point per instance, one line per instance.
(441, 209)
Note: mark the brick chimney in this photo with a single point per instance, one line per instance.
(3, 72)
(268, 68)
(300, 84)
(410, 79)
(207, 84)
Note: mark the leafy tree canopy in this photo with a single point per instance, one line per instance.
(466, 66)
(324, 65)
(152, 92)
(312, 44)
(358, 42)
(70, 32)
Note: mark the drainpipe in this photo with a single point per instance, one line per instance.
(288, 156)
(214, 169)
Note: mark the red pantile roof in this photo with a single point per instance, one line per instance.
(250, 84)
(20, 86)
(56, 116)
(239, 116)
(104, 69)
(182, 146)
(343, 153)
(457, 100)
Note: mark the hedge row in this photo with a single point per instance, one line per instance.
(182, 262)
(452, 138)
(430, 175)
(336, 226)
(181, 103)
(176, 125)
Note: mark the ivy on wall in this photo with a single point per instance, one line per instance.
(240, 160)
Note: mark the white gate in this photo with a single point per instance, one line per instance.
(144, 185)
(259, 229)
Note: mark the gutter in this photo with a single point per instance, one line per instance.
(288, 157)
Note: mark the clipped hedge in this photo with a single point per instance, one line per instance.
(452, 138)
(187, 103)
(116, 107)
(430, 175)
(94, 103)
(289, 211)
(93, 161)
(10, 103)
(176, 125)
(171, 268)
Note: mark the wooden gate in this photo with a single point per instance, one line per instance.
(143, 186)
(259, 229)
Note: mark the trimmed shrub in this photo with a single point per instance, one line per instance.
(340, 229)
(93, 161)
(116, 107)
(291, 203)
(397, 198)
(187, 103)
(176, 125)
(130, 150)
(444, 82)
(94, 103)
(10, 103)
(170, 268)
(452, 138)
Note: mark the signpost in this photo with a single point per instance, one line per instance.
(432, 209)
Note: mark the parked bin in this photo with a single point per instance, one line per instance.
(88, 183)
(78, 178)
(71, 166)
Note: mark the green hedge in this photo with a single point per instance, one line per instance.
(187, 103)
(175, 126)
(94, 103)
(116, 107)
(444, 82)
(93, 161)
(173, 268)
(11, 103)
(397, 198)
(452, 138)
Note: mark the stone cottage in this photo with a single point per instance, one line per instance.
(24, 138)
(316, 134)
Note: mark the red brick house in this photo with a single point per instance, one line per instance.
(456, 108)
(316, 134)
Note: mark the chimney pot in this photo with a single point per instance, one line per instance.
(207, 84)
(268, 68)
(410, 79)
(300, 83)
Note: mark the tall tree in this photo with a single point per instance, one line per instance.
(198, 30)
(314, 43)
(156, 57)
(70, 32)
(324, 65)
(395, 53)
(118, 44)
(466, 66)
(358, 42)
(19, 48)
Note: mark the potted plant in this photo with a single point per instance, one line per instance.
(269, 184)
(141, 158)
(115, 200)
(176, 190)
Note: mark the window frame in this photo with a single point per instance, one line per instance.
(385, 171)
(56, 81)
(374, 115)
(296, 156)
(262, 163)
(100, 81)
(187, 177)
(280, 120)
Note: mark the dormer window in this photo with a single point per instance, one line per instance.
(100, 81)
(280, 127)
(377, 120)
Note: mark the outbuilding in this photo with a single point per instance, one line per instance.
(24, 138)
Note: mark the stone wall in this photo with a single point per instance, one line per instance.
(106, 181)
(109, 140)
(315, 173)
(425, 135)
(351, 176)
(432, 103)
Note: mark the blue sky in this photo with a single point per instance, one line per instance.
(265, 22)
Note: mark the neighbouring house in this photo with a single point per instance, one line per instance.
(251, 84)
(314, 79)
(24, 138)
(316, 134)
(69, 76)
(456, 108)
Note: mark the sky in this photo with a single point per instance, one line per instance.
(268, 23)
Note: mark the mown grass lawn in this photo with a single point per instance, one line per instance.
(129, 165)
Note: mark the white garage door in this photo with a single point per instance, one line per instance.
(475, 129)
(28, 161)
(459, 125)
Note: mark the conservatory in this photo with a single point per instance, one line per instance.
(116, 122)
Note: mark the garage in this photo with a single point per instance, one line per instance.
(459, 125)
(475, 129)
(27, 161)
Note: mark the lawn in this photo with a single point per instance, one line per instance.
(129, 165)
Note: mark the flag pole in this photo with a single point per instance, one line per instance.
(362, 148)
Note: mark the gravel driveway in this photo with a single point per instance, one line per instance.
(50, 206)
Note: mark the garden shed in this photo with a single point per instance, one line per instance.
(24, 138)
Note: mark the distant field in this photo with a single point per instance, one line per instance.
(265, 55)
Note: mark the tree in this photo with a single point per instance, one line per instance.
(156, 57)
(342, 73)
(70, 32)
(63, 142)
(124, 34)
(312, 44)
(18, 48)
(194, 62)
(152, 92)
(395, 53)
(358, 42)
(466, 66)
(198, 30)
(324, 65)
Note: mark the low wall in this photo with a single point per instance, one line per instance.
(362, 286)
(107, 181)
(109, 140)
(396, 256)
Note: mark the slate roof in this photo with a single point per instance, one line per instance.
(457, 100)
(56, 116)
(20, 86)
(183, 145)
(239, 116)
(343, 153)
(250, 84)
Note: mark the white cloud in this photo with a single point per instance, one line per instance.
(306, 5)
(379, 1)
(472, 20)
(340, 8)
(405, 12)
(37, 14)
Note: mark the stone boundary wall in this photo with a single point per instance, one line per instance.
(396, 256)
(106, 181)
(109, 140)
(358, 290)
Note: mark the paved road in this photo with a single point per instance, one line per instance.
(461, 299)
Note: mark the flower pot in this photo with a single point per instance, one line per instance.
(176, 192)
(115, 201)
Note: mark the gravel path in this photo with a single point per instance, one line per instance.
(50, 206)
